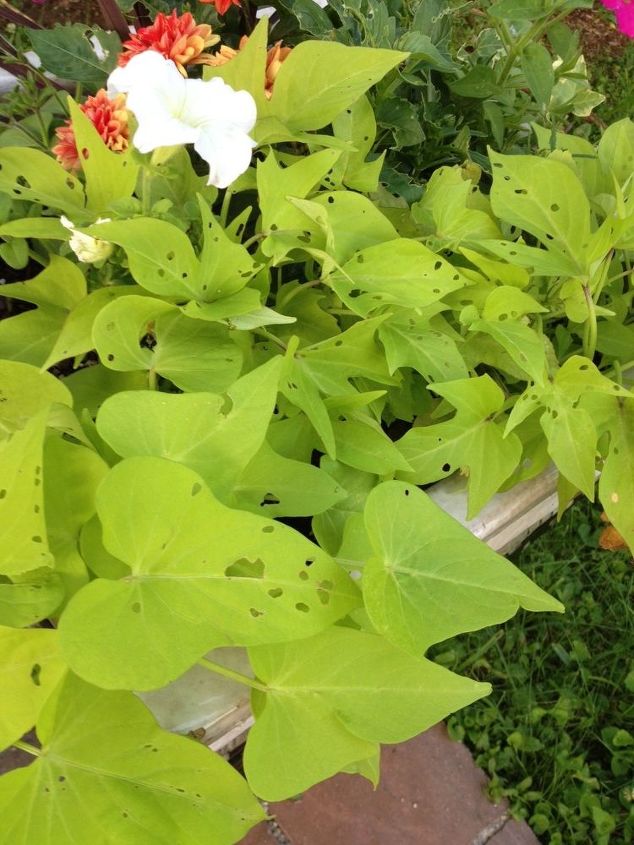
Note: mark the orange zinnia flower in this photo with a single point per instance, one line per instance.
(274, 58)
(222, 6)
(110, 119)
(180, 39)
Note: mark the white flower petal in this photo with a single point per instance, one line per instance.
(227, 154)
(145, 70)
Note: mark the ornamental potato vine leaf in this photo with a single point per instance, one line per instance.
(23, 541)
(138, 783)
(430, 578)
(616, 485)
(194, 354)
(332, 698)
(543, 197)
(228, 578)
(24, 392)
(28, 598)
(472, 440)
(196, 429)
(30, 668)
(34, 176)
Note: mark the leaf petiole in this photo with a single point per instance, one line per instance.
(26, 746)
(231, 674)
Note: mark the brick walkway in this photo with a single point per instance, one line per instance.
(431, 793)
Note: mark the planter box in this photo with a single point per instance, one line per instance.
(216, 710)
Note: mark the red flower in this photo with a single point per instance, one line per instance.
(110, 119)
(180, 39)
(222, 6)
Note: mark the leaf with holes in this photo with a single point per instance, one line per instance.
(23, 544)
(60, 285)
(161, 256)
(616, 485)
(75, 337)
(106, 771)
(277, 486)
(543, 197)
(472, 441)
(327, 701)
(227, 576)
(110, 175)
(225, 266)
(143, 333)
(72, 474)
(32, 666)
(521, 342)
(34, 176)
(410, 341)
(213, 435)
(402, 273)
(430, 578)
(29, 598)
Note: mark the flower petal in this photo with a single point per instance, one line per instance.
(228, 154)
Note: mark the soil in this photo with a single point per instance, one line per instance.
(51, 12)
(599, 35)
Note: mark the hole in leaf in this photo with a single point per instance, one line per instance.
(309, 562)
(303, 575)
(303, 608)
(36, 670)
(255, 613)
(268, 529)
(269, 499)
(446, 467)
(276, 592)
(196, 488)
(136, 607)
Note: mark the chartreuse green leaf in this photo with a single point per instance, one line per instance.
(228, 577)
(42, 228)
(399, 272)
(32, 175)
(361, 443)
(196, 429)
(521, 342)
(329, 527)
(109, 175)
(247, 70)
(107, 772)
(430, 578)
(60, 285)
(447, 211)
(616, 485)
(161, 256)
(357, 125)
(72, 474)
(327, 701)
(75, 337)
(23, 544)
(28, 598)
(24, 392)
(30, 668)
(319, 79)
(616, 149)
(194, 354)
(225, 266)
(29, 336)
(277, 486)
(471, 441)
(410, 341)
(543, 197)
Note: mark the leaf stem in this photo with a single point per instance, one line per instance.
(231, 674)
(26, 746)
(590, 330)
(269, 336)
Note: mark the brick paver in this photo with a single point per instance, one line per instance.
(431, 793)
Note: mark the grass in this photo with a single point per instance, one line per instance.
(554, 735)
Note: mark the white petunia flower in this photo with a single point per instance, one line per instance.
(86, 248)
(172, 110)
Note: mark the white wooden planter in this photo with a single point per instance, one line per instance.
(216, 710)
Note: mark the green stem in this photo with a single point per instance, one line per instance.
(590, 330)
(145, 191)
(152, 380)
(231, 674)
(26, 746)
(269, 336)
(224, 210)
